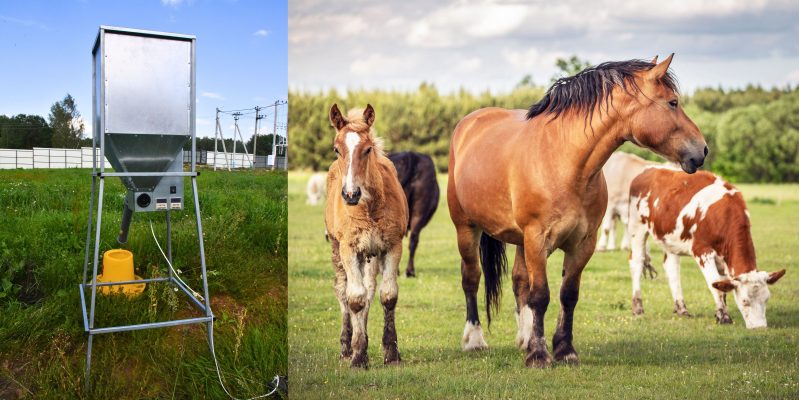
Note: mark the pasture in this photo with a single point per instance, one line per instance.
(42, 344)
(657, 355)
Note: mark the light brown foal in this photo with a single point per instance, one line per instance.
(533, 178)
(366, 217)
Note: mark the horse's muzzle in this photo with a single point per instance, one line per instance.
(693, 160)
(352, 199)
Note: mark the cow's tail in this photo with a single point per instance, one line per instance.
(495, 265)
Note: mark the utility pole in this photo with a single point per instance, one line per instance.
(274, 138)
(218, 134)
(236, 130)
(255, 136)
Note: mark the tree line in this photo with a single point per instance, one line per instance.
(752, 133)
(64, 129)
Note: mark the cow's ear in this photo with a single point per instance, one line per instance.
(725, 285)
(775, 276)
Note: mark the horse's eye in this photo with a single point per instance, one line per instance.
(673, 104)
(367, 151)
(336, 150)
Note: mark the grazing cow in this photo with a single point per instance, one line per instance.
(619, 172)
(704, 217)
(417, 175)
(366, 216)
(316, 189)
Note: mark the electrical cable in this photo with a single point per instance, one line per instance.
(275, 380)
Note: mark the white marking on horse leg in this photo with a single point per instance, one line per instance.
(356, 291)
(389, 288)
(524, 324)
(473, 337)
(672, 267)
(351, 140)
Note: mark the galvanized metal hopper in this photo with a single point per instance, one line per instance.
(145, 82)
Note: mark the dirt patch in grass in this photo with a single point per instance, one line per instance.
(10, 388)
(29, 292)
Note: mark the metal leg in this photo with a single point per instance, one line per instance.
(169, 240)
(94, 272)
(208, 312)
(86, 384)
(89, 230)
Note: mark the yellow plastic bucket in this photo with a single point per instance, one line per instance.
(118, 267)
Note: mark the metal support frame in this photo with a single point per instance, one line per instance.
(88, 310)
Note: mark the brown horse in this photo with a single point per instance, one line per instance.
(533, 178)
(366, 217)
(417, 175)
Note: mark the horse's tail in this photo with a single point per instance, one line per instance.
(495, 264)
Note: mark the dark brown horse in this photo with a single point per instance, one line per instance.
(417, 175)
(533, 178)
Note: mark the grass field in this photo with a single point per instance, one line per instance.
(657, 355)
(42, 344)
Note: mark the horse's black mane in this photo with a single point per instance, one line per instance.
(583, 91)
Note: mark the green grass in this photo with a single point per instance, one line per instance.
(43, 215)
(657, 355)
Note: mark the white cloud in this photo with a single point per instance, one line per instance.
(171, 3)
(261, 33)
(460, 22)
(529, 59)
(491, 44)
(379, 64)
(212, 95)
(471, 64)
(312, 28)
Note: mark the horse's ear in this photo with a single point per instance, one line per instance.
(369, 115)
(336, 119)
(659, 71)
(654, 60)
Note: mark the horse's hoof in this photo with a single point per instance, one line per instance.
(538, 359)
(360, 361)
(638, 306)
(410, 274)
(473, 338)
(345, 355)
(568, 358)
(391, 355)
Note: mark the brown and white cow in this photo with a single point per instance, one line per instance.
(620, 170)
(704, 217)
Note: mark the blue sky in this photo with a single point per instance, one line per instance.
(242, 54)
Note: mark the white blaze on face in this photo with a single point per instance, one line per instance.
(751, 294)
(351, 140)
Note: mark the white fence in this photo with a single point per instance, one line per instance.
(41, 157)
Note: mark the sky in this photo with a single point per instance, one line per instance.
(46, 52)
(492, 45)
